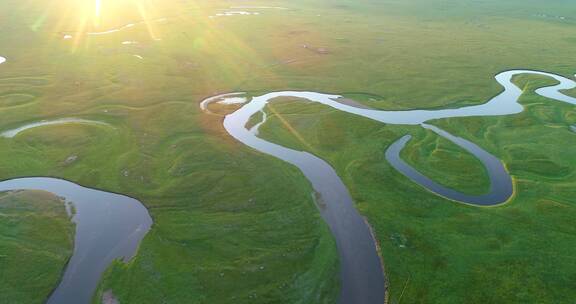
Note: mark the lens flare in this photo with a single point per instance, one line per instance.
(98, 6)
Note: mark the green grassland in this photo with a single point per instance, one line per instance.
(36, 238)
(234, 226)
(438, 251)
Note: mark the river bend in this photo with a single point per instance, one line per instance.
(362, 274)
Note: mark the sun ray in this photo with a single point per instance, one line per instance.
(145, 18)
(291, 129)
(97, 11)
(98, 8)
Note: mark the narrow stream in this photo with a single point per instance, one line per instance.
(13, 132)
(501, 186)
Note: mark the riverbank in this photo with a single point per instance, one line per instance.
(29, 254)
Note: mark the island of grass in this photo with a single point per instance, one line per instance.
(36, 240)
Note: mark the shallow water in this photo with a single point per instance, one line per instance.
(13, 132)
(233, 100)
(204, 104)
(361, 269)
(234, 13)
(501, 186)
(109, 226)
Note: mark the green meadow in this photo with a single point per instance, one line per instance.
(36, 239)
(232, 225)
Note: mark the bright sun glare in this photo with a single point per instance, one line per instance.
(98, 6)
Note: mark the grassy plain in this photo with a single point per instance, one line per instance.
(232, 225)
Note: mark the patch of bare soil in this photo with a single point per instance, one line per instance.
(109, 298)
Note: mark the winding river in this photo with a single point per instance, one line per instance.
(109, 226)
(362, 274)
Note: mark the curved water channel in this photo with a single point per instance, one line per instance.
(13, 132)
(109, 226)
(362, 273)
